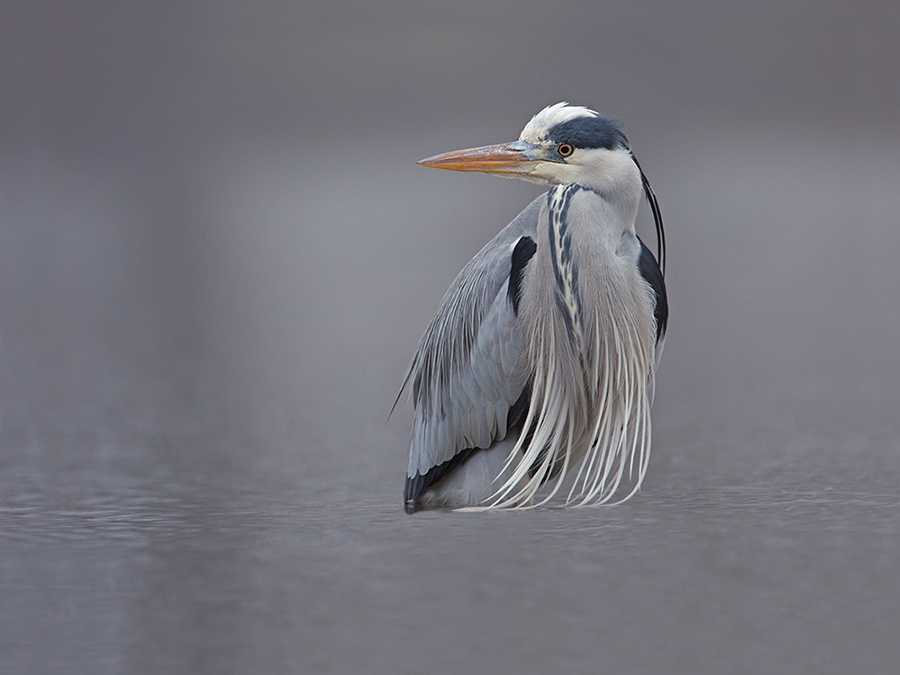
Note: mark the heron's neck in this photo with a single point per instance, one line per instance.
(617, 179)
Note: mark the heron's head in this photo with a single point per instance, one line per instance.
(561, 144)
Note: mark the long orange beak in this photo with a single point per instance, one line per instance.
(507, 158)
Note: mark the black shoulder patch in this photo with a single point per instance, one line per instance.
(589, 132)
(653, 275)
(522, 253)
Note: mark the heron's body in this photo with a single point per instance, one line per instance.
(541, 357)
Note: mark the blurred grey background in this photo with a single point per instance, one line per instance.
(217, 254)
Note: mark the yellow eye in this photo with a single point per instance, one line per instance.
(565, 149)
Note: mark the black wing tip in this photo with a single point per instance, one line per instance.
(416, 485)
(413, 488)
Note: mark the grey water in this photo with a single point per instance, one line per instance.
(206, 312)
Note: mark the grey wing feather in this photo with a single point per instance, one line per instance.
(469, 368)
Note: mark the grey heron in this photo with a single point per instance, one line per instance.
(540, 362)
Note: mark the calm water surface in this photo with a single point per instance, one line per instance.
(198, 474)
